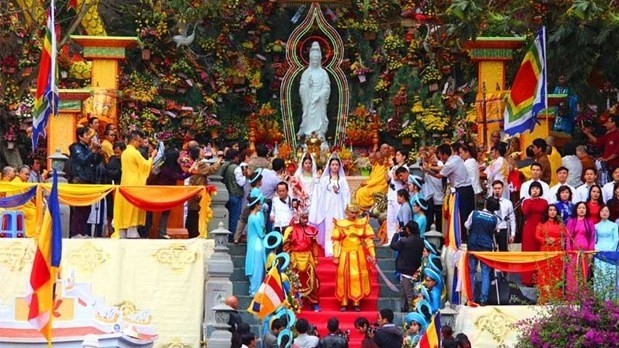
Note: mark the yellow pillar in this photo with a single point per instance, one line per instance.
(61, 128)
(105, 52)
(492, 55)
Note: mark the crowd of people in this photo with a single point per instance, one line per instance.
(551, 200)
(381, 333)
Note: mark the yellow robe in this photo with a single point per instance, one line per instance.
(352, 241)
(555, 162)
(377, 182)
(30, 213)
(108, 149)
(135, 172)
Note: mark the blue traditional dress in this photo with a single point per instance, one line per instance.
(606, 239)
(422, 221)
(255, 259)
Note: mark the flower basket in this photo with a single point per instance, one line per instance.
(369, 35)
(433, 86)
(214, 132)
(407, 141)
(407, 22)
(168, 89)
(146, 54)
(187, 121)
(238, 80)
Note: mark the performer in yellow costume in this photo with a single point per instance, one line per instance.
(29, 209)
(352, 243)
(300, 242)
(377, 182)
(135, 172)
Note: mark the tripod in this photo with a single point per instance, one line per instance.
(498, 275)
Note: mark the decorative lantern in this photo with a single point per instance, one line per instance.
(58, 161)
(433, 236)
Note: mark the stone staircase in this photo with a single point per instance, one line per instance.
(387, 298)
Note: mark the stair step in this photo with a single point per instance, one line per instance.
(385, 262)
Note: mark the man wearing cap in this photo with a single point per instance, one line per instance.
(300, 242)
(353, 242)
(482, 225)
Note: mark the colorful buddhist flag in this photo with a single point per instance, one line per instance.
(270, 296)
(432, 337)
(46, 95)
(45, 266)
(528, 95)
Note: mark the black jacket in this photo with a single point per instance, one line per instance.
(333, 341)
(83, 163)
(410, 253)
(388, 336)
(113, 170)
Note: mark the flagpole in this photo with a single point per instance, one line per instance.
(484, 115)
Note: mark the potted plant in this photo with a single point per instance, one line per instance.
(409, 133)
(363, 164)
(10, 137)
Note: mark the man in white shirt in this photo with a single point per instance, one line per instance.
(434, 192)
(582, 191)
(303, 340)
(536, 174)
(248, 340)
(562, 175)
(281, 212)
(607, 190)
(497, 170)
(459, 180)
(507, 218)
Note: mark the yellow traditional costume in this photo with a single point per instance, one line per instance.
(352, 243)
(107, 148)
(377, 182)
(29, 210)
(135, 172)
(555, 162)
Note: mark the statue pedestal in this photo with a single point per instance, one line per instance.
(105, 53)
(61, 128)
(492, 55)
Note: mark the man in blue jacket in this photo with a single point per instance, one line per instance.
(482, 225)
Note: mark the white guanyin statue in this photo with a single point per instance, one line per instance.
(314, 90)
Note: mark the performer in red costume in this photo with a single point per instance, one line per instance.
(300, 242)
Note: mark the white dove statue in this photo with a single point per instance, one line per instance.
(182, 39)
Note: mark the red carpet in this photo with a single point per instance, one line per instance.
(331, 306)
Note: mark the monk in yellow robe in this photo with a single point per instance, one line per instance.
(29, 209)
(376, 183)
(353, 241)
(136, 170)
(554, 157)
